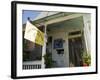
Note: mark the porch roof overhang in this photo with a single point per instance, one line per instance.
(55, 18)
(52, 18)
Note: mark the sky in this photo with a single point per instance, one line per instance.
(29, 13)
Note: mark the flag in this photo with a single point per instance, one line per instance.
(32, 33)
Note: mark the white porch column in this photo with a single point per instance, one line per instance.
(87, 32)
(66, 46)
(44, 47)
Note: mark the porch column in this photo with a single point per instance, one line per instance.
(66, 45)
(44, 46)
(87, 35)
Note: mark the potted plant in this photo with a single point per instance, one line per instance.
(48, 60)
(86, 59)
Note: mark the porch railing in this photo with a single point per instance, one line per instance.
(32, 65)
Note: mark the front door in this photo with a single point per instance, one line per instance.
(75, 51)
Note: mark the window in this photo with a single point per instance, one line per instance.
(74, 33)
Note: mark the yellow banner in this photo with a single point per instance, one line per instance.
(33, 34)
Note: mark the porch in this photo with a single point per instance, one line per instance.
(63, 34)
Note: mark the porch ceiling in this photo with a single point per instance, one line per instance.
(67, 24)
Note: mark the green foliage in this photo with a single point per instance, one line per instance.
(86, 58)
(48, 60)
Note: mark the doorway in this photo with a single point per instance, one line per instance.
(75, 51)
